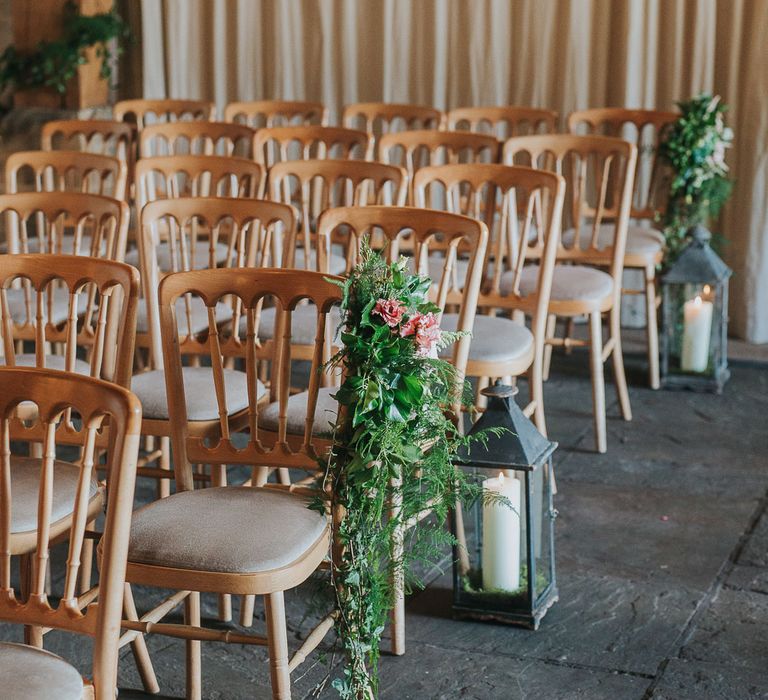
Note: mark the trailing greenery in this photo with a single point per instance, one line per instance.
(695, 149)
(53, 64)
(393, 444)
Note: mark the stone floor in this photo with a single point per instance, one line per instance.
(662, 563)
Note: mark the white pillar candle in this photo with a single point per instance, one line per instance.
(697, 327)
(501, 535)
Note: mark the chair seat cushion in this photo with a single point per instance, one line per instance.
(29, 673)
(494, 339)
(325, 414)
(198, 315)
(58, 362)
(569, 282)
(25, 488)
(640, 240)
(201, 255)
(226, 530)
(199, 390)
(303, 323)
(59, 309)
(337, 264)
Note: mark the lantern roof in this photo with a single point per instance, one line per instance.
(697, 262)
(519, 445)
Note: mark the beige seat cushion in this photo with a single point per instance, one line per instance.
(28, 673)
(303, 323)
(226, 530)
(163, 255)
(569, 282)
(25, 487)
(59, 312)
(337, 264)
(640, 240)
(58, 362)
(198, 315)
(325, 414)
(199, 391)
(494, 339)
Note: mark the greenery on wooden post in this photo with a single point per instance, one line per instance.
(694, 147)
(392, 458)
(52, 64)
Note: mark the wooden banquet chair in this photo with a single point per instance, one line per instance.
(502, 122)
(426, 230)
(196, 138)
(645, 242)
(268, 113)
(522, 208)
(599, 173)
(66, 171)
(281, 143)
(145, 112)
(50, 499)
(266, 540)
(101, 136)
(379, 118)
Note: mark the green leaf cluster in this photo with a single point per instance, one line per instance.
(694, 147)
(392, 459)
(54, 63)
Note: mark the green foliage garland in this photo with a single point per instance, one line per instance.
(393, 444)
(54, 63)
(695, 149)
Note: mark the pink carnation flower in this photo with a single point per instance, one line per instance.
(391, 310)
(425, 329)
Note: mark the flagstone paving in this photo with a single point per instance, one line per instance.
(662, 565)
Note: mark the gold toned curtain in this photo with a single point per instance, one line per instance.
(562, 54)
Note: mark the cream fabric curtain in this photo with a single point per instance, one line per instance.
(561, 54)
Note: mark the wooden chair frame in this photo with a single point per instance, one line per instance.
(201, 137)
(120, 133)
(136, 111)
(493, 117)
(276, 113)
(383, 114)
(101, 406)
(645, 205)
(272, 145)
(612, 168)
(52, 169)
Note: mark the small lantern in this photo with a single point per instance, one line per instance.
(504, 559)
(694, 342)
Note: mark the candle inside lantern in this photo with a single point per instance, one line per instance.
(697, 327)
(501, 535)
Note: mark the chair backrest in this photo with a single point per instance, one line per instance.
(312, 186)
(503, 122)
(381, 117)
(66, 222)
(81, 307)
(32, 501)
(196, 138)
(169, 177)
(252, 287)
(268, 113)
(523, 208)
(229, 233)
(280, 143)
(428, 231)
(102, 136)
(145, 112)
(66, 171)
(599, 172)
(646, 128)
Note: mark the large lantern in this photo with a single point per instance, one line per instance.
(694, 342)
(504, 559)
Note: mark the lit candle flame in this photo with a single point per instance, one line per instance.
(707, 289)
(501, 478)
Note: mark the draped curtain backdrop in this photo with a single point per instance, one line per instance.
(560, 54)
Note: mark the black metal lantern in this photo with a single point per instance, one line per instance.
(694, 341)
(504, 559)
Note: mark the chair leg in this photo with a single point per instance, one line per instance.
(618, 365)
(536, 394)
(164, 485)
(598, 381)
(246, 610)
(277, 636)
(139, 646)
(652, 326)
(86, 560)
(194, 650)
(549, 333)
